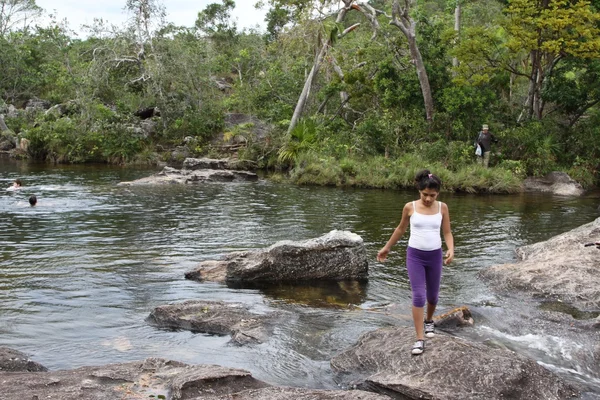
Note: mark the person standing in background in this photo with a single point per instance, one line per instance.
(485, 140)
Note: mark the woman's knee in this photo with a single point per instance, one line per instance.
(432, 298)
(418, 299)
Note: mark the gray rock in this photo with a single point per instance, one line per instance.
(12, 111)
(15, 361)
(337, 255)
(35, 104)
(216, 317)
(179, 155)
(3, 127)
(148, 127)
(561, 268)
(558, 183)
(135, 380)
(287, 393)
(451, 368)
(194, 164)
(171, 175)
(6, 145)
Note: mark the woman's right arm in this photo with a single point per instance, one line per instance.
(398, 232)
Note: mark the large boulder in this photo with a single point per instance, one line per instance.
(216, 317)
(561, 268)
(184, 176)
(451, 368)
(337, 255)
(152, 378)
(15, 361)
(558, 183)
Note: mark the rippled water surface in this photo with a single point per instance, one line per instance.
(80, 272)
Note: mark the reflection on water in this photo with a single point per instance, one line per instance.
(80, 272)
(342, 294)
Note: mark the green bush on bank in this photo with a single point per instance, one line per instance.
(96, 134)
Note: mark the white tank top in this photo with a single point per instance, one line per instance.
(425, 230)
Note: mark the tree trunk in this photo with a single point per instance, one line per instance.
(314, 71)
(457, 15)
(423, 78)
(407, 25)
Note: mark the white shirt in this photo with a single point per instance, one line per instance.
(425, 230)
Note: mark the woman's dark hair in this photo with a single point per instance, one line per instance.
(18, 182)
(32, 200)
(426, 180)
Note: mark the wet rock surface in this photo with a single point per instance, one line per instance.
(218, 318)
(195, 171)
(287, 393)
(558, 183)
(15, 361)
(450, 368)
(150, 378)
(337, 255)
(155, 378)
(561, 269)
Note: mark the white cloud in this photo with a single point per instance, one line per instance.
(180, 12)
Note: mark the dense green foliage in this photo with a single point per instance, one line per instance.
(528, 68)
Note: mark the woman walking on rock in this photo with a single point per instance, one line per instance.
(424, 254)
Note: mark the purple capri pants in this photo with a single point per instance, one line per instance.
(425, 273)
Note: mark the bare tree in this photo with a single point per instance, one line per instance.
(404, 22)
(315, 69)
(16, 12)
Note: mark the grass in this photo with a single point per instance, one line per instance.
(379, 172)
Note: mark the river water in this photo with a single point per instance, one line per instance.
(80, 272)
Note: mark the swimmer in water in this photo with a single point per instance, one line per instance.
(17, 184)
(32, 200)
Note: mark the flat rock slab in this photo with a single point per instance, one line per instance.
(558, 183)
(15, 361)
(174, 176)
(217, 318)
(450, 368)
(561, 268)
(136, 380)
(287, 393)
(338, 255)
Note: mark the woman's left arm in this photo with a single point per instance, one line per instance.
(448, 238)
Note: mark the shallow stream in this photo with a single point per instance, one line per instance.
(81, 271)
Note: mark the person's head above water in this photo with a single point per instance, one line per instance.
(426, 180)
(32, 200)
(17, 183)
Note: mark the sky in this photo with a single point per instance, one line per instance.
(180, 12)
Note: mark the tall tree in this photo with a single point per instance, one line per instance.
(215, 21)
(549, 30)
